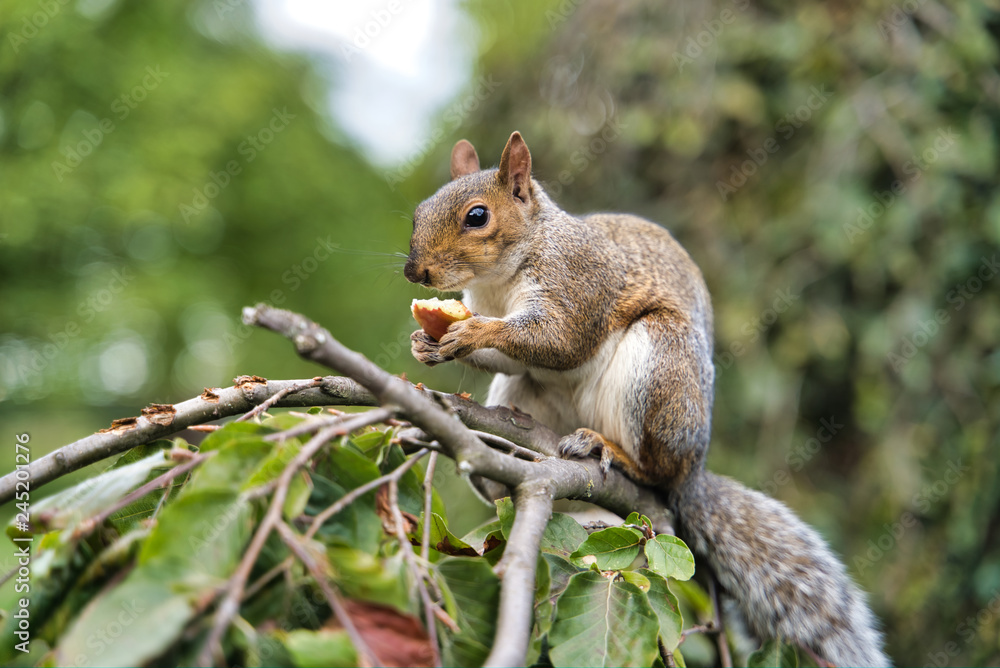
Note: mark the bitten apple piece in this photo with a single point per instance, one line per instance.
(435, 315)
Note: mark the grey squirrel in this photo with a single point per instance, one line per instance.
(601, 327)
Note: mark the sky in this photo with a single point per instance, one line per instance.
(394, 63)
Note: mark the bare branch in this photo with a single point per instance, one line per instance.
(161, 420)
(533, 508)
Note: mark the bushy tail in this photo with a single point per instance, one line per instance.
(782, 576)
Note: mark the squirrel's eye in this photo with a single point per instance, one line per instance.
(477, 216)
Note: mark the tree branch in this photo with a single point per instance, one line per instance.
(533, 508)
(161, 420)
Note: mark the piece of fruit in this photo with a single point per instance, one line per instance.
(435, 315)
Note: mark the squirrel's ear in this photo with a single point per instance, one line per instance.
(463, 159)
(515, 167)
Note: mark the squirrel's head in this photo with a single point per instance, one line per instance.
(472, 228)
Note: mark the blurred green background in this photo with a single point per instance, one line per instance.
(831, 167)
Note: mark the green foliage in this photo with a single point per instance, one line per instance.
(133, 593)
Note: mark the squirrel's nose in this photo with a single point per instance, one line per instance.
(416, 274)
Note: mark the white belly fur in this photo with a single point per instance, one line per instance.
(594, 395)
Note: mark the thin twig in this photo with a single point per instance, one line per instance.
(708, 627)
(425, 545)
(274, 572)
(351, 496)
(278, 396)
(156, 483)
(309, 426)
(419, 572)
(366, 656)
(509, 446)
(723, 642)
(425, 539)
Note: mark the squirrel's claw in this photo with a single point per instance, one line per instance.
(582, 442)
(425, 349)
(459, 340)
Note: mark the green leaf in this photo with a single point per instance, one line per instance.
(199, 537)
(670, 557)
(560, 572)
(476, 591)
(349, 468)
(411, 485)
(774, 654)
(70, 506)
(298, 496)
(357, 526)
(695, 596)
(614, 548)
(480, 537)
(278, 456)
(563, 535)
(320, 648)
(636, 578)
(666, 607)
(238, 461)
(370, 441)
(444, 541)
(232, 431)
(543, 580)
(603, 622)
(371, 578)
(128, 626)
(505, 513)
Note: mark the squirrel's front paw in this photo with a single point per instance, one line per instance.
(463, 337)
(425, 349)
